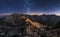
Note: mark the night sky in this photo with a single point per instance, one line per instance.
(41, 6)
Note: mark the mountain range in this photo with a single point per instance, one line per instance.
(15, 26)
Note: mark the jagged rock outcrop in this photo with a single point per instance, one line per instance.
(19, 25)
(15, 25)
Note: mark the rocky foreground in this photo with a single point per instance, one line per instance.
(15, 26)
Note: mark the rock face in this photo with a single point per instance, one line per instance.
(16, 25)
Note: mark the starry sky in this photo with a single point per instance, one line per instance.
(25, 6)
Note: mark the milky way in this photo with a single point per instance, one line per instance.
(40, 6)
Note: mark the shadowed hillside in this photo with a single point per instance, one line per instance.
(21, 25)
